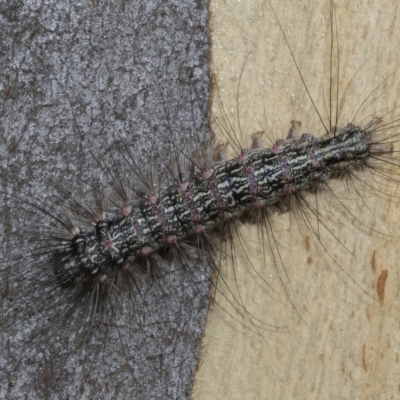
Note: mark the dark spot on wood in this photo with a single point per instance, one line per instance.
(364, 361)
(380, 286)
(373, 261)
(308, 243)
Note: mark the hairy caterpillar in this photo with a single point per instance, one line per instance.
(345, 345)
(94, 363)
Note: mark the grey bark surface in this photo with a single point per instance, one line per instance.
(74, 77)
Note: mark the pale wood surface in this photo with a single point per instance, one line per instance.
(346, 343)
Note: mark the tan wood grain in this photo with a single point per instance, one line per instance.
(340, 338)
